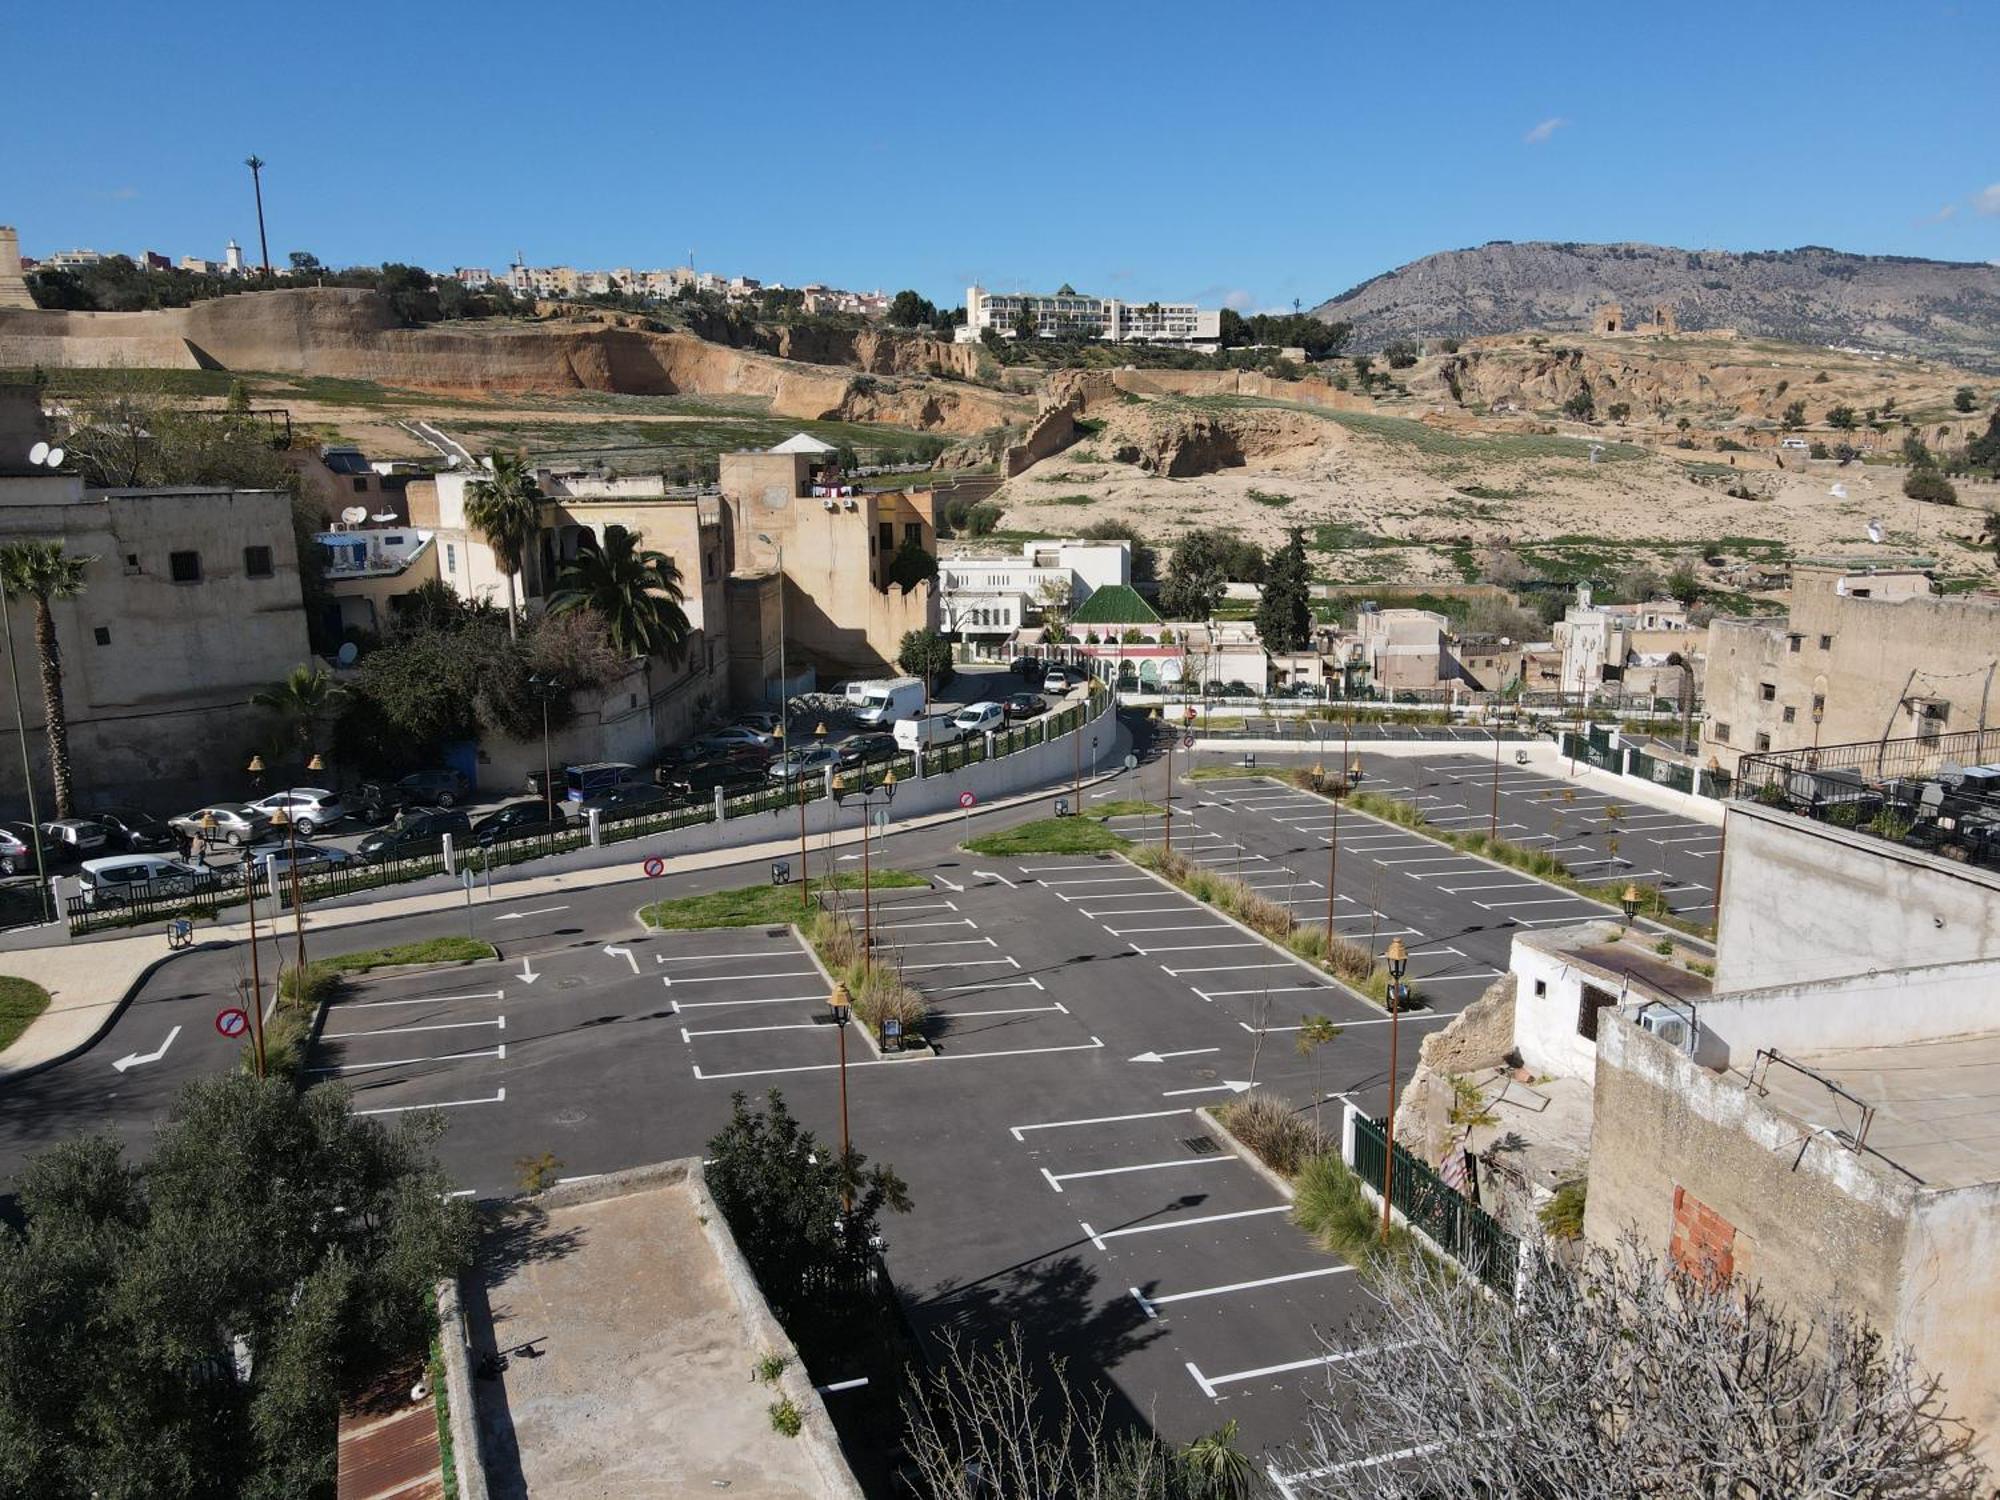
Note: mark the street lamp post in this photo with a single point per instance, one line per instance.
(545, 687)
(256, 1006)
(27, 767)
(842, 1006)
(1493, 818)
(1629, 900)
(865, 795)
(1399, 963)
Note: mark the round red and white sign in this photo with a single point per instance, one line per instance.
(655, 866)
(232, 1022)
(966, 799)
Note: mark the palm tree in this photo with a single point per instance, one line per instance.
(304, 700)
(636, 593)
(505, 508)
(45, 572)
(1214, 1468)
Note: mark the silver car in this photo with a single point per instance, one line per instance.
(310, 808)
(235, 824)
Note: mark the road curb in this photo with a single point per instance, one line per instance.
(1250, 1158)
(111, 1017)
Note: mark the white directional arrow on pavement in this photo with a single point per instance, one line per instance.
(1234, 1085)
(1163, 1056)
(993, 875)
(949, 885)
(624, 953)
(134, 1059)
(528, 975)
(539, 911)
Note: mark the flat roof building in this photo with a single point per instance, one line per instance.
(1070, 314)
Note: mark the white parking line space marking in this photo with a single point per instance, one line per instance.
(499, 1052)
(1099, 1236)
(420, 1000)
(1150, 1304)
(726, 1004)
(499, 1097)
(1227, 968)
(1092, 1045)
(497, 1022)
(1190, 948)
(740, 1030)
(1018, 1131)
(1057, 1179)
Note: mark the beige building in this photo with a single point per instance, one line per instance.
(1405, 649)
(1633, 650)
(191, 605)
(1862, 655)
(842, 615)
(367, 569)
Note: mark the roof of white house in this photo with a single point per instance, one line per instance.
(803, 442)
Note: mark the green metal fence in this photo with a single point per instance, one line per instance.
(1667, 773)
(1465, 1231)
(1591, 751)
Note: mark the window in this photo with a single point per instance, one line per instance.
(885, 532)
(360, 486)
(1763, 743)
(102, 634)
(913, 533)
(1768, 691)
(257, 562)
(1826, 643)
(132, 563)
(1819, 704)
(1541, 987)
(451, 557)
(1594, 1001)
(1791, 714)
(184, 567)
(1793, 642)
(1722, 733)
(708, 566)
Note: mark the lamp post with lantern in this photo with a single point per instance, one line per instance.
(1399, 963)
(256, 1005)
(866, 794)
(841, 1005)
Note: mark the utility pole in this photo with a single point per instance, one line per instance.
(1169, 798)
(256, 165)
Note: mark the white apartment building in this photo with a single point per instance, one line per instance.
(1074, 314)
(988, 600)
(1599, 642)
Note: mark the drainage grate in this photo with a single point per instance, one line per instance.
(1201, 1145)
(777, 932)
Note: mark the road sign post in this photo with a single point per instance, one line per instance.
(232, 1021)
(965, 804)
(654, 867)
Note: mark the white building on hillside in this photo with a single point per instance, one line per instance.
(1067, 313)
(987, 600)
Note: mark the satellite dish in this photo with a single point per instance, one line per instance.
(452, 462)
(386, 515)
(39, 454)
(1875, 531)
(346, 654)
(56, 456)
(486, 462)
(354, 515)
(1839, 492)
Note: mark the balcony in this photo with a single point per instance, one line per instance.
(1939, 793)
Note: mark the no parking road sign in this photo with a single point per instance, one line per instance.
(232, 1022)
(655, 866)
(966, 799)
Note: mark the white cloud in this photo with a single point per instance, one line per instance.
(1948, 212)
(1987, 200)
(1240, 300)
(1542, 132)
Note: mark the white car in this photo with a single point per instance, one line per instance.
(977, 718)
(310, 808)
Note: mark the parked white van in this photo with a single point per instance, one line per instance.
(137, 877)
(886, 702)
(977, 718)
(920, 734)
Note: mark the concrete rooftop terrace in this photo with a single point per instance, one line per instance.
(1936, 1103)
(630, 1325)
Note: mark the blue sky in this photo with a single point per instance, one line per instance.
(1248, 153)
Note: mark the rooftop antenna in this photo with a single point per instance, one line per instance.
(256, 165)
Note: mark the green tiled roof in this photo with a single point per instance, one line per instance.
(1115, 604)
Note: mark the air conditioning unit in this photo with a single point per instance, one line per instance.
(830, 503)
(1669, 1025)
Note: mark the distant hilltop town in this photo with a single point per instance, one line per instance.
(567, 281)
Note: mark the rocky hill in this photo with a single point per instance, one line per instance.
(1938, 309)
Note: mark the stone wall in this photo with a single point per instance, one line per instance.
(1477, 1037)
(1050, 433)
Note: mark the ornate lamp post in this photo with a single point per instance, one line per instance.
(842, 1007)
(1629, 899)
(1399, 963)
(256, 1006)
(866, 795)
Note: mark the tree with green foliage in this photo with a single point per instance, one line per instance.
(1840, 418)
(1928, 485)
(307, 698)
(926, 654)
(801, 1213)
(1401, 354)
(1025, 324)
(908, 310)
(636, 592)
(1684, 584)
(1915, 454)
(270, 1231)
(1582, 405)
(912, 564)
(1964, 399)
(1794, 417)
(44, 572)
(304, 263)
(505, 507)
(1197, 573)
(1284, 612)
(1619, 410)
(1989, 531)
(1983, 452)
(1319, 338)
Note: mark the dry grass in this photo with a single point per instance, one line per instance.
(1283, 1139)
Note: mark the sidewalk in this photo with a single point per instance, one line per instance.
(89, 983)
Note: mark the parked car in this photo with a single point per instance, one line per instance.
(866, 749)
(1028, 668)
(122, 878)
(73, 838)
(1056, 682)
(737, 734)
(886, 702)
(416, 831)
(764, 723)
(1025, 705)
(134, 831)
(918, 734)
(436, 788)
(310, 808)
(519, 820)
(978, 718)
(630, 801)
(705, 780)
(235, 824)
(311, 858)
(795, 763)
(18, 842)
(595, 778)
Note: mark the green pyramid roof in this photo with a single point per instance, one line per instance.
(1115, 604)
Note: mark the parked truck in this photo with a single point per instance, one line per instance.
(924, 733)
(886, 702)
